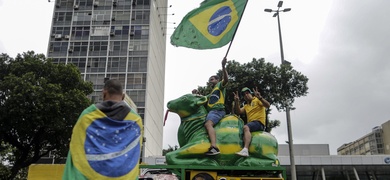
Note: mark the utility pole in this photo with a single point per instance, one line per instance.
(288, 119)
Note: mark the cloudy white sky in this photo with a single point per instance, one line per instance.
(341, 46)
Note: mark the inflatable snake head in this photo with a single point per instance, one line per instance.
(187, 105)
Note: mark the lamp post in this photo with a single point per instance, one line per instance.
(290, 140)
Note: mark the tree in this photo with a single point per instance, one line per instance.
(170, 148)
(280, 85)
(39, 103)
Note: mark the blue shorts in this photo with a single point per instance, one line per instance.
(255, 126)
(215, 116)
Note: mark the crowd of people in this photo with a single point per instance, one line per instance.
(115, 116)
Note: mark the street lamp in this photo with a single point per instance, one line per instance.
(290, 140)
(280, 32)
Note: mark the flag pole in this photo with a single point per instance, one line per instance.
(234, 34)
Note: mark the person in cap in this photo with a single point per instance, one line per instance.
(106, 141)
(215, 106)
(254, 108)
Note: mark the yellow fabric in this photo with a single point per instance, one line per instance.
(45, 171)
(216, 99)
(255, 111)
(77, 150)
(201, 21)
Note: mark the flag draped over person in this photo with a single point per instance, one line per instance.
(104, 148)
(210, 26)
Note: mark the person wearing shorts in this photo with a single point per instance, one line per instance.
(215, 107)
(254, 109)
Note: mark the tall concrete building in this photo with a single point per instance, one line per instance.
(374, 143)
(117, 39)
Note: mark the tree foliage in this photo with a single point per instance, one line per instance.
(170, 148)
(39, 104)
(279, 85)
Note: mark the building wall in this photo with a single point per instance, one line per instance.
(375, 142)
(338, 167)
(117, 39)
(155, 80)
(304, 149)
(312, 161)
(364, 146)
(386, 137)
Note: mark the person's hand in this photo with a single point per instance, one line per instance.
(195, 91)
(257, 93)
(224, 60)
(236, 96)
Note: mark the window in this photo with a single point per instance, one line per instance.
(95, 78)
(140, 16)
(138, 64)
(118, 48)
(78, 49)
(96, 64)
(120, 30)
(120, 77)
(136, 81)
(100, 31)
(79, 62)
(62, 16)
(142, 2)
(139, 31)
(121, 16)
(139, 45)
(101, 16)
(81, 16)
(58, 47)
(98, 46)
(138, 96)
(64, 4)
(145, 31)
(61, 31)
(79, 32)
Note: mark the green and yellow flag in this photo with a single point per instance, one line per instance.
(104, 148)
(212, 25)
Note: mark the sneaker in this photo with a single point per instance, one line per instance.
(243, 152)
(212, 151)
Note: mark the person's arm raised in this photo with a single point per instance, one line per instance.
(225, 74)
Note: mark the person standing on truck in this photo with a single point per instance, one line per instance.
(106, 140)
(215, 106)
(254, 109)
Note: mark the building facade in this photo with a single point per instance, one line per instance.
(339, 167)
(314, 162)
(117, 39)
(376, 142)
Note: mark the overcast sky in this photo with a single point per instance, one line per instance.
(341, 46)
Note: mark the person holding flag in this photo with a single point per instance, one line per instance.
(212, 25)
(215, 106)
(106, 140)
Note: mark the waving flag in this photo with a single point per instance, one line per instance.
(212, 25)
(103, 148)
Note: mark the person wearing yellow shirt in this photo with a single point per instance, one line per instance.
(254, 108)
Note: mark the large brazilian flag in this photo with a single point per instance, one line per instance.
(212, 25)
(103, 148)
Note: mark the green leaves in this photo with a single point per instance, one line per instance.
(39, 103)
(170, 149)
(279, 85)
